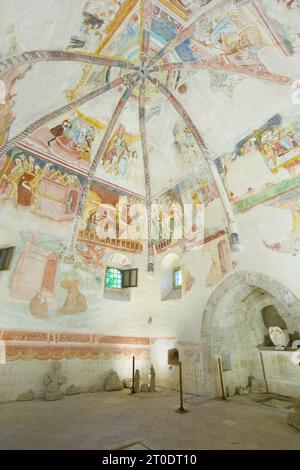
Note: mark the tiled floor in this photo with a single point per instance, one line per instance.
(107, 420)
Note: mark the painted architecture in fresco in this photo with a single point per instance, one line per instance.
(181, 221)
(276, 146)
(121, 156)
(277, 143)
(107, 219)
(43, 188)
(35, 272)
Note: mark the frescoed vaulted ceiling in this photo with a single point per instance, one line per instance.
(152, 90)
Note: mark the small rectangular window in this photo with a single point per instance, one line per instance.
(177, 278)
(113, 278)
(6, 255)
(120, 279)
(130, 278)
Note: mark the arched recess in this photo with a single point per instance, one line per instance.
(233, 317)
(118, 261)
(170, 262)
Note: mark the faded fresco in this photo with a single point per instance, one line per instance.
(285, 15)
(276, 145)
(121, 158)
(40, 200)
(286, 209)
(70, 209)
(125, 43)
(9, 46)
(186, 149)
(44, 292)
(232, 34)
(70, 140)
(45, 189)
(109, 217)
(95, 23)
(218, 249)
(189, 198)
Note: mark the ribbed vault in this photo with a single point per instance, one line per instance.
(138, 75)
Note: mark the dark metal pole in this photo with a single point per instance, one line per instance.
(133, 371)
(181, 409)
(221, 379)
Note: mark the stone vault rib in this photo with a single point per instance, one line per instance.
(60, 56)
(142, 125)
(101, 149)
(222, 66)
(185, 33)
(59, 112)
(234, 238)
(257, 72)
(146, 12)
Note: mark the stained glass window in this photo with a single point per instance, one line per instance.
(113, 278)
(177, 278)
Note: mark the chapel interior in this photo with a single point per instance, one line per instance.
(150, 224)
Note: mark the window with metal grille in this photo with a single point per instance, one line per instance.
(120, 278)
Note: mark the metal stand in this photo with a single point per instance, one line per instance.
(221, 379)
(132, 390)
(181, 409)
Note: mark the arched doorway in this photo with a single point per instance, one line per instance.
(233, 326)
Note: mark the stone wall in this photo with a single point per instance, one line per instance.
(19, 376)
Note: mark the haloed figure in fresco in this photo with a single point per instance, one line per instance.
(120, 158)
